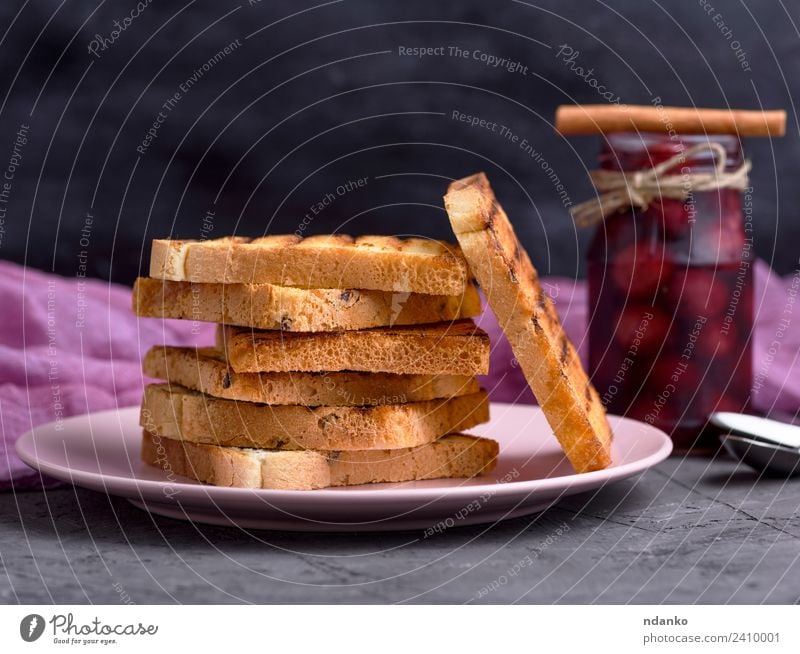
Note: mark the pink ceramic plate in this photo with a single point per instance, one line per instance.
(101, 451)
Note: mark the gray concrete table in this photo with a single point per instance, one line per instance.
(690, 530)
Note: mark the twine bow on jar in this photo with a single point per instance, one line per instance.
(618, 190)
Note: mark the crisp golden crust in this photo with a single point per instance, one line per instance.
(266, 306)
(383, 263)
(530, 321)
(455, 455)
(176, 412)
(205, 370)
(457, 348)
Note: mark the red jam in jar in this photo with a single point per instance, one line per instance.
(671, 296)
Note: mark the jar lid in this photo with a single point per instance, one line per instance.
(605, 119)
(634, 151)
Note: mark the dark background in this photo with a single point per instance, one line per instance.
(320, 96)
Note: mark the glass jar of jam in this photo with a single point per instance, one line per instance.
(671, 295)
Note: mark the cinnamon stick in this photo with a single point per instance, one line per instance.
(603, 119)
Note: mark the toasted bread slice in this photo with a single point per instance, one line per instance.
(205, 370)
(177, 412)
(266, 306)
(456, 455)
(381, 263)
(457, 348)
(529, 319)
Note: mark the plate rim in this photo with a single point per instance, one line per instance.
(593, 479)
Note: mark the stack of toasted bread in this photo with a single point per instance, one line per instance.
(338, 361)
(346, 361)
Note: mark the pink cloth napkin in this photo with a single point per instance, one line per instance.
(72, 346)
(69, 346)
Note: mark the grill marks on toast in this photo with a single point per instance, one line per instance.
(383, 263)
(529, 319)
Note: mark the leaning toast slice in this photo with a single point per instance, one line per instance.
(205, 370)
(456, 455)
(381, 263)
(457, 348)
(266, 306)
(527, 316)
(176, 412)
